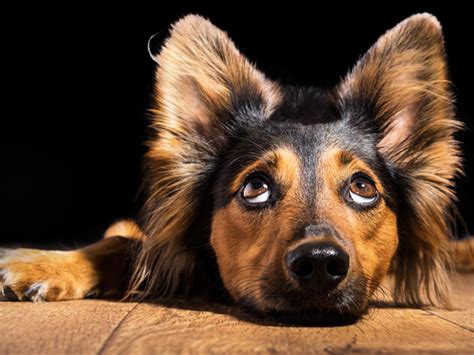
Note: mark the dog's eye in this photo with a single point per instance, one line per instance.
(256, 190)
(363, 191)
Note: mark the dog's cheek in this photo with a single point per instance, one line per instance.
(375, 247)
(229, 240)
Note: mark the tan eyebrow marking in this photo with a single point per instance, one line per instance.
(338, 164)
(346, 157)
(283, 164)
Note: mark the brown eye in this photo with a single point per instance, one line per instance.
(256, 190)
(363, 191)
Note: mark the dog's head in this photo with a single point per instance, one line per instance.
(311, 194)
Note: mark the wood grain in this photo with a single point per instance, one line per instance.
(150, 327)
(79, 327)
(106, 327)
(463, 302)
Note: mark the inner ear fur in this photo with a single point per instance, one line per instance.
(403, 87)
(202, 81)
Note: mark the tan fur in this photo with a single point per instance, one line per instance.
(67, 275)
(246, 244)
(125, 228)
(372, 236)
(462, 252)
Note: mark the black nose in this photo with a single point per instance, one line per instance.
(318, 266)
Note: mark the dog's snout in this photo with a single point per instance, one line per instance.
(318, 266)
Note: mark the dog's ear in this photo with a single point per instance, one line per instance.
(202, 78)
(399, 92)
(205, 88)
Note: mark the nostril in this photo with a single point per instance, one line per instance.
(320, 267)
(337, 268)
(303, 268)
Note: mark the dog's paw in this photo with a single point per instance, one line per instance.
(41, 275)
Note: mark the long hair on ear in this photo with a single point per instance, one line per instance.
(402, 81)
(200, 77)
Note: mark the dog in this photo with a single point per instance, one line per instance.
(291, 200)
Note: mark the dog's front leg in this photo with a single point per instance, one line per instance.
(98, 270)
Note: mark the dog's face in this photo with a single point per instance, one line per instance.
(304, 217)
(313, 193)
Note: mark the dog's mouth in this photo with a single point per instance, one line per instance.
(299, 307)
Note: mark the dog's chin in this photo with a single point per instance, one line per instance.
(325, 313)
(298, 307)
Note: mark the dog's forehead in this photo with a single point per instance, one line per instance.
(300, 134)
(310, 141)
(306, 126)
(307, 106)
(308, 121)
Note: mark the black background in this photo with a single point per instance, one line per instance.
(76, 83)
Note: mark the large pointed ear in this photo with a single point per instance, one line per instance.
(205, 88)
(399, 92)
(201, 76)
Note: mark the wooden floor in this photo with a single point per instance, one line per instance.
(106, 327)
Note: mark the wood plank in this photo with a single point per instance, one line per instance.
(93, 326)
(207, 329)
(79, 327)
(463, 302)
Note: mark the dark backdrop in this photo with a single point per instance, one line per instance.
(76, 83)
